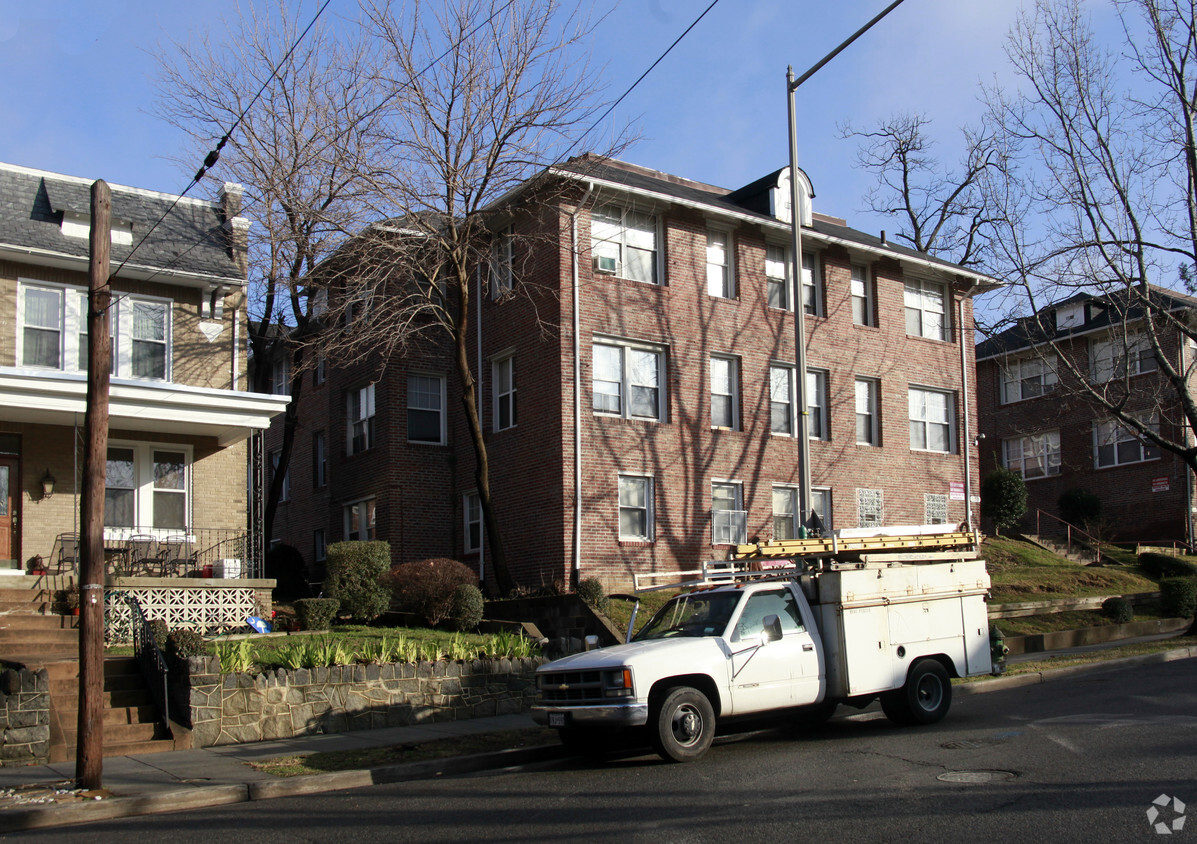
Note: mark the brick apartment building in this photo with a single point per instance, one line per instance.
(636, 362)
(1038, 423)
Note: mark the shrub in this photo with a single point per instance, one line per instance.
(1079, 507)
(1118, 609)
(354, 569)
(591, 591)
(425, 587)
(316, 613)
(181, 644)
(159, 629)
(235, 657)
(1165, 565)
(467, 610)
(286, 566)
(1003, 497)
(1178, 597)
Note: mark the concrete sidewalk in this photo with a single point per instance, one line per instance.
(44, 796)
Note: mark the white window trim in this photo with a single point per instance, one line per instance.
(951, 423)
(319, 545)
(622, 242)
(346, 511)
(1049, 457)
(502, 263)
(443, 433)
(828, 515)
(368, 399)
(819, 408)
(874, 400)
(796, 502)
(285, 492)
(1013, 377)
(467, 543)
(733, 377)
(783, 280)
(280, 383)
(649, 507)
(320, 459)
(143, 466)
(728, 266)
(864, 280)
(1123, 434)
(72, 325)
(738, 518)
(921, 285)
(497, 361)
(1120, 355)
(789, 370)
(625, 412)
(816, 285)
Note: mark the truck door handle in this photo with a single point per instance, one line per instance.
(808, 647)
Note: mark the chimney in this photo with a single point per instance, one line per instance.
(235, 226)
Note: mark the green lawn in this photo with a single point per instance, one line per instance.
(1021, 571)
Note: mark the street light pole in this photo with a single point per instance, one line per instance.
(800, 398)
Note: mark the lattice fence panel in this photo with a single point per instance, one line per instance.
(206, 611)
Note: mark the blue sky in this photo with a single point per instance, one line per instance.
(79, 84)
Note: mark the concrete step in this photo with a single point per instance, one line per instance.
(65, 695)
(66, 753)
(38, 621)
(116, 734)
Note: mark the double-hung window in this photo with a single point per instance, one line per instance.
(472, 510)
(729, 521)
(1120, 356)
(280, 384)
(1028, 378)
(360, 425)
(868, 432)
(635, 508)
(426, 409)
(503, 371)
(1117, 445)
(720, 280)
(777, 276)
(816, 404)
(812, 294)
(150, 339)
(146, 487)
(931, 419)
(628, 380)
(781, 399)
(926, 310)
(624, 243)
(319, 460)
(502, 263)
(360, 520)
(725, 392)
(285, 491)
(42, 318)
(1033, 456)
(862, 296)
(785, 512)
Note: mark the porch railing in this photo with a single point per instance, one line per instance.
(139, 551)
(145, 649)
(1072, 533)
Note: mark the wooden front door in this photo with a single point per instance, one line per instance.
(10, 501)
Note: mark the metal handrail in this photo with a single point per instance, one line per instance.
(149, 655)
(1093, 542)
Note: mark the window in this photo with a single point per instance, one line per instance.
(360, 520)
(761, 605)
(627, 380)
(1028, 378)
(504, 392)
(935, 508)
(361, 419)
(862, 296)
(867, 429)
(870, 511)
(285, 493)
(812, 298)
(725, 393)
(781, 401)
(319, 545)
(635, 508)
(146, 488)
(279, 382)
(729, 522)
(53, 332)
(425, 409)
(720, 281)
(625, 243)
(320, 373)
(931, 420)
(472, 507)
(319, 460)
(1035, 456)
(777, 276)
(926, 310)
(785, 512)
(820, 503)
(1116, 445)
(502, 263)
(1118, 357)
(816, 401)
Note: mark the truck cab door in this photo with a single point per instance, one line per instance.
(772, 674)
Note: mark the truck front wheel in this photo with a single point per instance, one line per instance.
(924, 699)
(682, 725)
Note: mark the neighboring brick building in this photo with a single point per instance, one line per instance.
(637, 371)
(179, 417)
(1038, 422)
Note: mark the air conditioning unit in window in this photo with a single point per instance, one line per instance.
(605, 264)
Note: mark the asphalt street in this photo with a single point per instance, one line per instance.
(1080, 759)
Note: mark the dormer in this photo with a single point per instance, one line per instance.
(1070, 316)
(771, 195)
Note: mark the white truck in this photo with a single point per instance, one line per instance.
(840, 620)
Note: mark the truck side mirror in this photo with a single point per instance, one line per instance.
(771, 629)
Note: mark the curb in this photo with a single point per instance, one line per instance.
(42, 817)
(1034, 678)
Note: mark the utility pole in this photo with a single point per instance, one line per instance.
(89, 742)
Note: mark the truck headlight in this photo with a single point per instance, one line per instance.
(617, 683)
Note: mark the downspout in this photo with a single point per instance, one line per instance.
(577, 321)
(1189, 476)
(478, 403)
(967, 440)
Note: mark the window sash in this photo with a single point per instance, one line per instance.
(724, 393)
(630, 371)
(729, 525)
(502, 263)
(816, 401)
(425, 409)
(931, 417)
(1026, 379)
(926, 310)
(635, 508)
(785, 513)
(862, 296)
(1119, 357)
(146, 487)
(1117, 445)
(719, 281)
(360, 520)
(777, 277)
(781, 402)
(361, 419)
(811, 300)
(504, 387)
(866, 411)
(472, 511)
(629, 237)
(319, 460)
(1033, 456)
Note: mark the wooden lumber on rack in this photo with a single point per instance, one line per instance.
(852, 547)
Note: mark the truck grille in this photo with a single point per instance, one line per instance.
(572, 687)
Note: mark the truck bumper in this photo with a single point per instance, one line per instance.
(623, 715)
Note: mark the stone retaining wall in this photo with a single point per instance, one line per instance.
(24, 717)
(240, 708)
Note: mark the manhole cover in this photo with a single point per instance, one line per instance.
(966, 744)
(976, 777)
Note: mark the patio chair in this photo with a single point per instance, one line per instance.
(176, 555)
(67, 558)
(142, 555)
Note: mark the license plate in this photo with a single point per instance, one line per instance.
(556, 719)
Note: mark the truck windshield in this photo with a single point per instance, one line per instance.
(700, 614)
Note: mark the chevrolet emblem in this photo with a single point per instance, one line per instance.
(563, 687)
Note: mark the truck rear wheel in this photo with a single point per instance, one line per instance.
(924, 699)
(682, 725)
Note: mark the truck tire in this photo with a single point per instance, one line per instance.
(682, 725)
(924, 699)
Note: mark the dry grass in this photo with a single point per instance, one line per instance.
(1021, 571)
